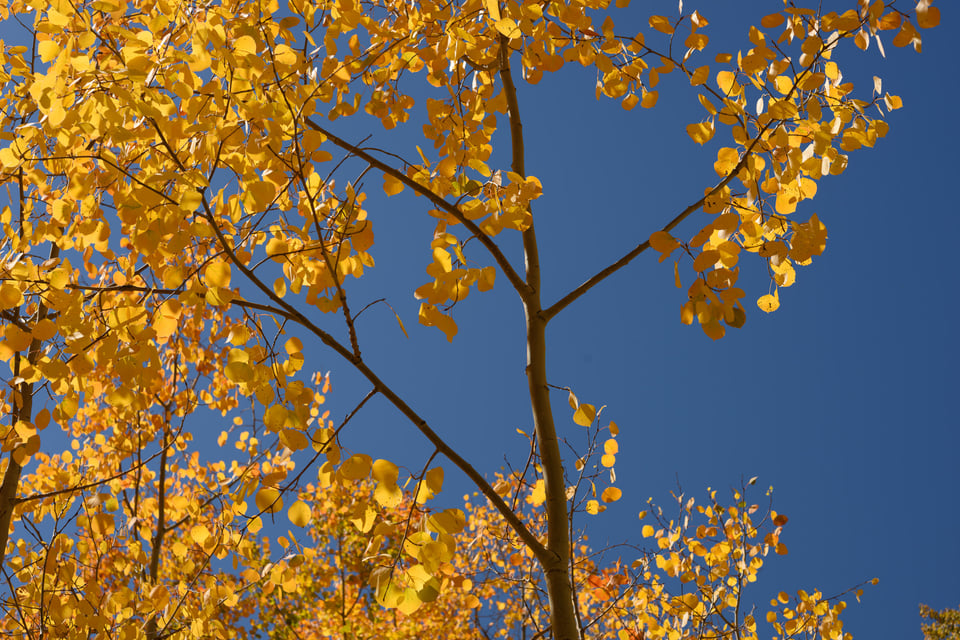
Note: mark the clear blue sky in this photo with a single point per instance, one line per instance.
(843, 400)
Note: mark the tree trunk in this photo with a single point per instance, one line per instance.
(556, 565)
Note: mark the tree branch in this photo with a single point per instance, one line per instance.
(604, 273)
(521, 287)
(290, 312)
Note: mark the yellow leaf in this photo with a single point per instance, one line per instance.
(57, 19)
(400, 322)
(430, 485)
(647, 531)
(700, 132)
(712, 110)
(356, 467)
(700, 76)
(293, 439)
(509, 28)
(48, 50)
(661, 24)
(363, 518)
(283, 54)
(892, 102)
(782, 109)
(727, 81)
(245, 45)
(293, 345)
(697, 41)
(299, 514)
(275, 417)
(488, 276)
(594, 507)
(448, 521)
(387, 495)
(434, 479)
(268, 500)
(8, 158)
(538, 494)
(409, 602)
(122, 397)
(391, 186)
(727, 160)
(276, 246)
(217, 274)
(261, 193)
(10, 296)
(430, 316)
(238, 372)
(385, 471)
(611, 494)
(199, 534)
(493, 9)
(442, 257)
(649, 100)
(663, 242)
(769, 303)
(584, 415)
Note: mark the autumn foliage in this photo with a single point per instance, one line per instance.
(190, 207)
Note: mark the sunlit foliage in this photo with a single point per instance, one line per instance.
(189, 208)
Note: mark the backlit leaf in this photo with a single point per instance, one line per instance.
(701, 132)
(585, 415)
(268, 500)
(661, 24)
(509, 28)
(299, 514)
(611, 494)
(217, 274)
(769, 303)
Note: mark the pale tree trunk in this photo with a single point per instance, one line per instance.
(564, 621)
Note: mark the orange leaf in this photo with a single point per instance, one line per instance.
(772, 21)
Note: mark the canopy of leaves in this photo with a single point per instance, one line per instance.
(940, 625)
(187, 210)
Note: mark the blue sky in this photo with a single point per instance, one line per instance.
(842, 400)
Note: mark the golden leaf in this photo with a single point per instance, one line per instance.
(585, 415)
(299, 514)
(509, 28)
(769, 303)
